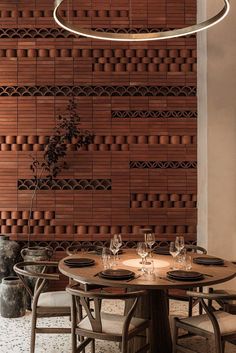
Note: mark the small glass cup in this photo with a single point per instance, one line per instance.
(149, 267)
(174, 253)
(181, 260)
(106, 258)
(188, 262)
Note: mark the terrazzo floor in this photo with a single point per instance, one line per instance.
(15, 335)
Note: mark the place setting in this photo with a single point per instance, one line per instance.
(79, 262)
(209, 261)
(118, 274)
(184, 275)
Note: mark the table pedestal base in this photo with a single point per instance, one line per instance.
(155, 307)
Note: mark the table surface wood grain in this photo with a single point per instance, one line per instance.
(212, 274)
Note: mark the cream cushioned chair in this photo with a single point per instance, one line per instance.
(46, 304)
(105, 326)
(218, 324)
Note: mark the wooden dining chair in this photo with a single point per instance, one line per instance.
(44, 304)
(105, 326)
(216, 324)
(180, 294)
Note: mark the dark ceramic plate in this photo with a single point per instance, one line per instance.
(185, 275)
(162, 250)
(79, 261)
(79, 265)
(117, 274)
(208, 260)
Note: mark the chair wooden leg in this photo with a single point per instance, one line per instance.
(190, 306)
(124, 345)
(200, 304)
(73, 325)
(175, 337)
(93, 346)
(223, 346)
(148, 337)
(218, 344)
(33, 333)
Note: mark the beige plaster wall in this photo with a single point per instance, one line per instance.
(217, 136)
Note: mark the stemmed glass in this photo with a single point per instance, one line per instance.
(179, 243)
(142, 252)
(174, 252)
(149, 239)
(114, 249)
(118, 242)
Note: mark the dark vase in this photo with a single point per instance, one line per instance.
(12, 298)
(9, 254)
(35, 253)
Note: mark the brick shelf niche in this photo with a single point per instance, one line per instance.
(138, 98)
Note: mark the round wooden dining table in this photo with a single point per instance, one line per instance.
(155, 305)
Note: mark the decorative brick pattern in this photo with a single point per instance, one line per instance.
(31, 12)
(101, 143)
(117, 60)
(152, 200)
(65, 184)
(35, 33)
(151, 60)
(139, 30)
(41, 227)
(154, 114)
(99, 91)
(140, 100)
(163, 164)
(62, 33)
(61, 246)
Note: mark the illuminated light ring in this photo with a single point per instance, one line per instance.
(139, 37)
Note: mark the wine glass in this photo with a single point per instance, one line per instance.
(142, 252)
(179, 243)
(174, 252)
(149, 239)
(118, 242)
(114, 249)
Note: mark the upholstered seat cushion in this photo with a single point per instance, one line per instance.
(58, 299)
(227, 322)
(111, 323)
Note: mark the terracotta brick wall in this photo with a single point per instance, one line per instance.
(138, 98)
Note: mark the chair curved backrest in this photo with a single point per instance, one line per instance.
(222, 324)
(94, 315)
(74, 249)
(37, 270)
(195, 249)
(35, 277)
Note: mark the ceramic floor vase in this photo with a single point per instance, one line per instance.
(12, 297)
(9, 255)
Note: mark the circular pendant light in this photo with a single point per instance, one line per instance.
(139, 37)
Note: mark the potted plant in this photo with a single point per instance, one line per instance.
(66, 132)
